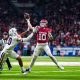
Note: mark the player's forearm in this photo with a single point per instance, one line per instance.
(29, 24)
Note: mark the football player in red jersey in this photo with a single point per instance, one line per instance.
(43, 36)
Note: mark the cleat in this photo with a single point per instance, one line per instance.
(1, 68)
(61, 67)
(10, 68)
(27, 71)
(23, 70)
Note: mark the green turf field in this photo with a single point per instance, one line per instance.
(43, 72)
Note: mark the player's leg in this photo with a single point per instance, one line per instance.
(14, 55)
(3, 60)
(47, 50)
(0, 63)
(34, 57)
(8, 63)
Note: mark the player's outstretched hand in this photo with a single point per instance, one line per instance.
(26, 16)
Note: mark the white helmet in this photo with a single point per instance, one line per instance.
(43, 23)
(13, 32)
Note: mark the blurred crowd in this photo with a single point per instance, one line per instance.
(63, 18)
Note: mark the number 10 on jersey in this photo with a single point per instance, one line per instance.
(42, 36)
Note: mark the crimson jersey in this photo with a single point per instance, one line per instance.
(42, 34)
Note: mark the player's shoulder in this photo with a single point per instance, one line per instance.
(12, 37)
(49, 29)
(16, 38)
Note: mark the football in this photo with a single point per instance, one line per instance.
(26, 16)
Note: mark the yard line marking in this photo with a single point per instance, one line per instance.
(50, 63)
(46, 71)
